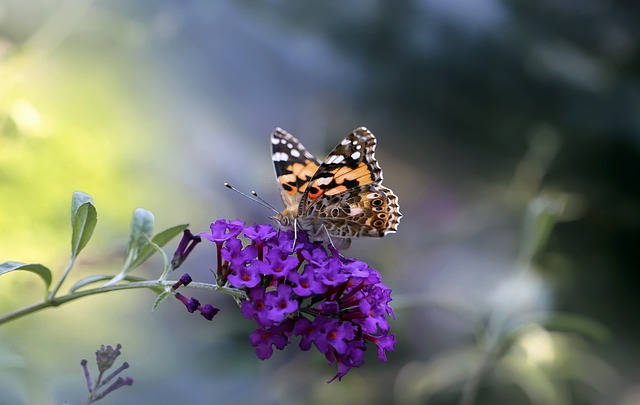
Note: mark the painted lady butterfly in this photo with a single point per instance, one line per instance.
(338, 199)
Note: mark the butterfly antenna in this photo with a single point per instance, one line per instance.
(253, 197)
(264, 202)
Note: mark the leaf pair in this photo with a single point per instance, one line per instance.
(84, 217)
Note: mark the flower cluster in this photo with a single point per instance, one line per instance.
(337, 304)
(105, 357)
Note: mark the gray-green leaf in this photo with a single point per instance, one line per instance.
(83, 221)
(141, 230)
(40, 270)
(163, 296)
(159, 239)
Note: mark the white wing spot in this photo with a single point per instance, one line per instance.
(334, 159)
(275, 140)
(358, 147)
(354, 142)
(345, 141)
(280, 157)
(295, 153)
(323, 181)
(289, 146)
(283, 141)
(355, 155)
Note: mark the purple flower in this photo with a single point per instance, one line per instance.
(259, 233)
(305, 284)
(353, 357)
(316, 255)
(281, 303)
(274, 265)
(384, 343)
(245, 276)
(236, 256)
(191, 303)
(184, 280)
(337, 304)
(306, 330)
(332, 273)
(208, 311)
(255, 307)
(356, 268)
(329, 308)
(119, 383)
(263, 339)
(333, 335)
(284, 242)
(186, 245)
(223, 230)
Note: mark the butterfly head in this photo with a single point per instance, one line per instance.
(284, 219)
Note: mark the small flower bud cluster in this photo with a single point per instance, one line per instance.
(208, 311)
(105, 357)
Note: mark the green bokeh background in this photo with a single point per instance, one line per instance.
(478, 106)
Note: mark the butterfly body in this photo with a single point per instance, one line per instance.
(338, 199)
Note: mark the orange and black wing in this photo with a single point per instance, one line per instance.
(294, 166)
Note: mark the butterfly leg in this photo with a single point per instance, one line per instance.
(340, 243)
(326, 232)
(295, 234)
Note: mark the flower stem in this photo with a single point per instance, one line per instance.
(53, 292)
(150, 284)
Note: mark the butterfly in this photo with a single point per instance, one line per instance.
(338, 199)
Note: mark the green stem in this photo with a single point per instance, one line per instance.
(53, 292)
(151, 284)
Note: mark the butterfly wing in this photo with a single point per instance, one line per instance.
(294, 166)
(345, 196)
(370, 210)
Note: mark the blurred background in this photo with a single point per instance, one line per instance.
(479, 107)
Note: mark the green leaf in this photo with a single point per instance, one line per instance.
(163, 296)
(83, 221)
(40, 270)
(160, 240)
(88, 280)
(141, 230)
